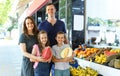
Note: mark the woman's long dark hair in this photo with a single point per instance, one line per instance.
(25, 30)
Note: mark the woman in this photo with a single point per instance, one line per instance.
(27, 39)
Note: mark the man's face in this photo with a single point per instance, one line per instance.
(50, 10)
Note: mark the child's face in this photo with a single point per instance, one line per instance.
(60, 38)
(43, 38)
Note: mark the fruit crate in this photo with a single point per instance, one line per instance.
(102, 69)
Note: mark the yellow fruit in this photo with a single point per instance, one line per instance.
(67, 52)
(88, 75)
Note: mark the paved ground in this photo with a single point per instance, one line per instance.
(10, 58)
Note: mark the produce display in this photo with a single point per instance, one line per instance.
(105, 56)
(100, 59)
(85, 53)
(114, 61)
(80, 71)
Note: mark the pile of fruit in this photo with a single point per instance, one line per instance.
(100, 59)
(79, 71)
(106, 56)
(115, 50)
(83, 53)
(114, 60)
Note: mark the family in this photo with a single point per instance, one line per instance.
(50, 34)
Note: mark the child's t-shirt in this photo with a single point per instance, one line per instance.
(56, 52)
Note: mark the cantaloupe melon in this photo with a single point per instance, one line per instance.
(67, 52)
(117, 63)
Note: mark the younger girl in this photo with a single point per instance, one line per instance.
(42, 66)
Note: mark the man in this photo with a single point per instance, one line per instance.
(52, 26)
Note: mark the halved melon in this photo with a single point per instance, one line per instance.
(108, 53)
(47, 53)
(67, 52)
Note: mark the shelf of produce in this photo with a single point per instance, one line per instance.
(102, 69)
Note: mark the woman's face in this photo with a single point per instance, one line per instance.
(29, 24)
(50, 10)
(43, 38)
(60, 38)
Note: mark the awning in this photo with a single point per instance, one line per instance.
(35, 6)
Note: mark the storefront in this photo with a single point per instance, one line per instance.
(68, 11)
(88, 22)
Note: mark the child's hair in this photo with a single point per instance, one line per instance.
(60, 32)
(40, 44)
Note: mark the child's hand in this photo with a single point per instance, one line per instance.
(49, 60)
(40, 59)
(73, 55)
(71, 60)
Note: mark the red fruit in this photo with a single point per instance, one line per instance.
(47, 53)
(108, 53)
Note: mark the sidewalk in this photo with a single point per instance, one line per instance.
(10, 58)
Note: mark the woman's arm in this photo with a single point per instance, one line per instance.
(33, 53)
(25, 53)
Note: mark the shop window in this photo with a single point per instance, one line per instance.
(103, 22)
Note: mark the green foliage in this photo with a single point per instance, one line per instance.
(5, 8)
(62, 9)
(10, 28)
(110, 22)
(94, 21)
(62, 3)
(13, 25)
